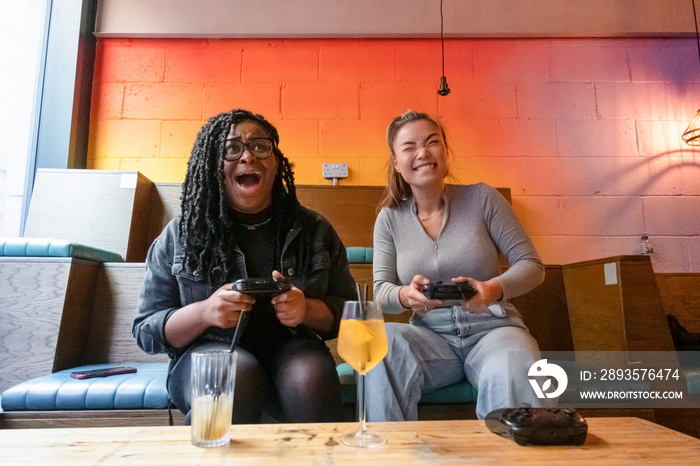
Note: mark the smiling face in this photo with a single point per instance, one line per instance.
(249, 180)
(420, 154)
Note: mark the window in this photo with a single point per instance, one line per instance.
(22, 39)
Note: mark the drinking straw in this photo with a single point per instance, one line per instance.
(360, 302)
(213, 407)
(364, 302)
(239, 330)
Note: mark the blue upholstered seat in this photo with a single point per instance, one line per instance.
(46, 247)
(144, 389)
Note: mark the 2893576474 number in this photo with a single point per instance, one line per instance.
(638, 374)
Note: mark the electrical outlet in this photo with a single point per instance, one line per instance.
(335, 170)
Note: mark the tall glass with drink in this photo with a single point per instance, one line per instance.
(362, 344)
(213, 382)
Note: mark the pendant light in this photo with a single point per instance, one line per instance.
(443, 90)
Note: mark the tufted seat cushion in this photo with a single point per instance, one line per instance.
(144, 389)
(46, 247)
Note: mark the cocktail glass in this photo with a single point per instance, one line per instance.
(362, 344)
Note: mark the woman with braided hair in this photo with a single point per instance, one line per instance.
(240, 218)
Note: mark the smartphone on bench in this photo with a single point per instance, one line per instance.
(104, 372)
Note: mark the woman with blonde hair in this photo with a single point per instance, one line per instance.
(430, 231)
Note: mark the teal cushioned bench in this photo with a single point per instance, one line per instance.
(146, 389)
(359, 255)
(46, 247)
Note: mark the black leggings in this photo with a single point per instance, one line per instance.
(294, 382)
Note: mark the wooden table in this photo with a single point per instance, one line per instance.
(610, 440)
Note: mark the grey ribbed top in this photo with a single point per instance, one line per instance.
(478, 223)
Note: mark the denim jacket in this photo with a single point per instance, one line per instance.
(169, 285)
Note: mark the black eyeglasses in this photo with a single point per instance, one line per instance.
(260, 148)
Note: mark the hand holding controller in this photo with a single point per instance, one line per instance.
(539, 426)
(263, 286)
(461, 291)
(271, 286)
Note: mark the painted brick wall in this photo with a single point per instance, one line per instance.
(585, 132)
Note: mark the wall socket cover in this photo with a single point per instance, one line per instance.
(335, 170)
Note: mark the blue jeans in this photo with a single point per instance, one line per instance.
(445, 346)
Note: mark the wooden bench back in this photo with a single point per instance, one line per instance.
(614, 305)
(100, 208)
(545, 312)
(43, 303)
(625, 315)
(680, 296)
(116, 295)
(351, 210)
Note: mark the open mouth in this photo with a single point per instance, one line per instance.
(248, 179)
(424, 166)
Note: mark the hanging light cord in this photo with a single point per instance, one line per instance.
(443, 90)
(442, 36)
(697, 34)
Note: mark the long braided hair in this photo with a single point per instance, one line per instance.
(206, 223)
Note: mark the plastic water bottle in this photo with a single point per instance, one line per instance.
(645, 246)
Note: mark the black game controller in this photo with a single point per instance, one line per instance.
(461, 291)
(539, 426)
(273, 286)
